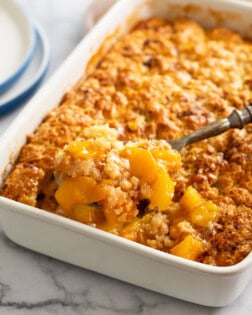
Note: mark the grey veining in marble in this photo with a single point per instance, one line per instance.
(31, 283)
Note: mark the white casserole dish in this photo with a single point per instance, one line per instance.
(94, 249)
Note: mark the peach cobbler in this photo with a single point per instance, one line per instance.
(101, 157)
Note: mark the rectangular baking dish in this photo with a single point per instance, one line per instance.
(94, 249)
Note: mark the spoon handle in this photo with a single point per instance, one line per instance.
(237, 119)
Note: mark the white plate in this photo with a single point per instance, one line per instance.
(92, 248)
(16, 42)
(32, 76)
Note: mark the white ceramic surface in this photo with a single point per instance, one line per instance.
(16, 42)
(95, 11)
(32, 75)
(101, 251)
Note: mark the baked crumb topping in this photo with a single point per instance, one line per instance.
(160, 81)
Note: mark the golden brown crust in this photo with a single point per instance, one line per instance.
(60, 126)
(233, 239)
(23, 184)
(162, 80)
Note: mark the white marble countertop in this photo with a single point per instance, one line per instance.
(31, 283)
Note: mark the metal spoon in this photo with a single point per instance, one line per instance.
(237, 119)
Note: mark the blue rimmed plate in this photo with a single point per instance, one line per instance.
(17, 42)
(32, 75)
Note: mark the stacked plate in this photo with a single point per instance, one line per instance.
(24, 55)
